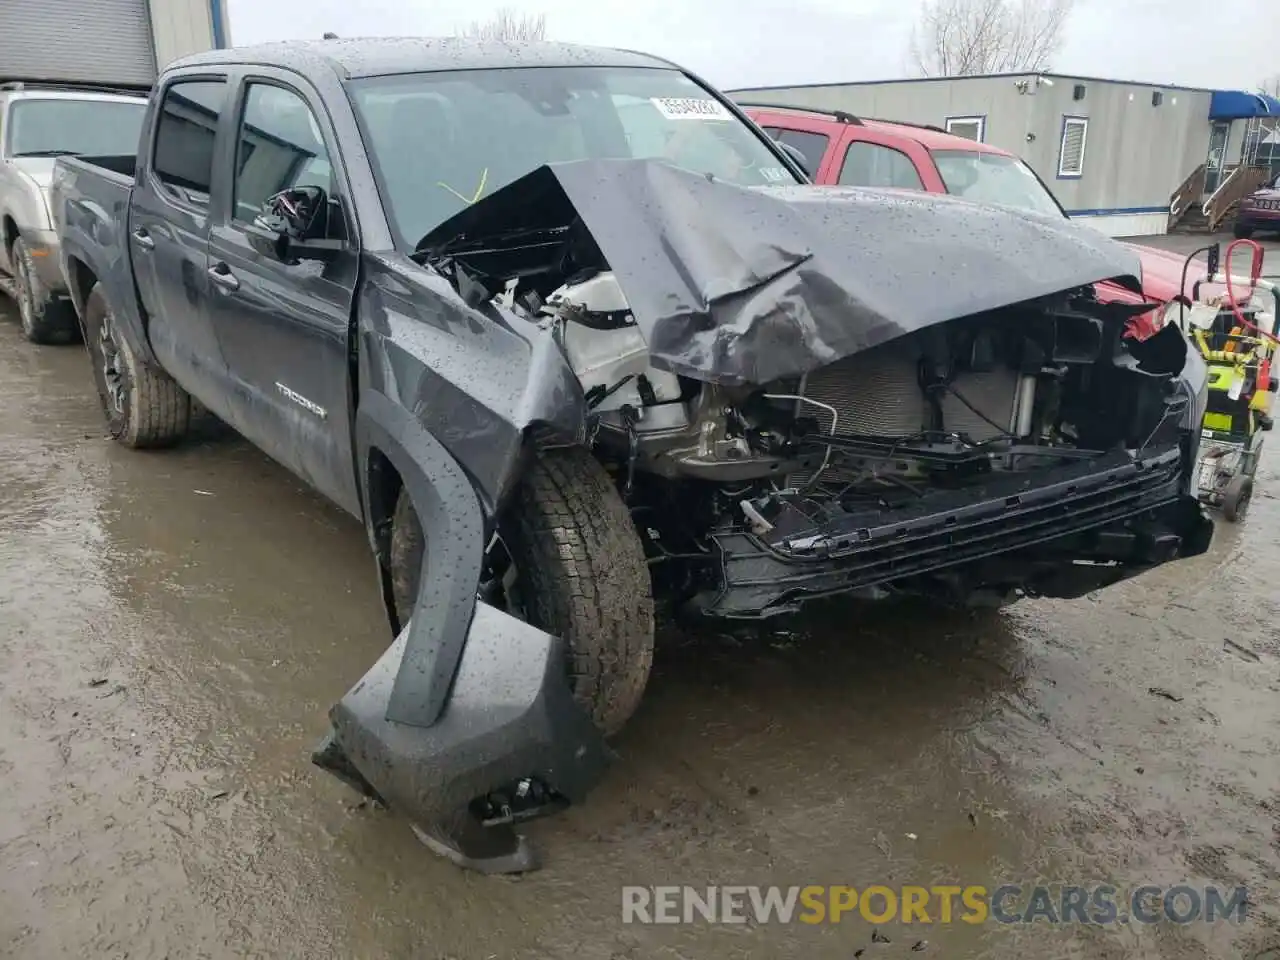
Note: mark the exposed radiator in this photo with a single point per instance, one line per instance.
(994, 392)
(877, 393)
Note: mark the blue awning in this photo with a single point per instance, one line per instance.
(1238, 105)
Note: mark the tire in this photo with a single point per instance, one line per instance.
(581, 566)
(145, 408)
(1236, 498)
(1242, 232)
(45, 319)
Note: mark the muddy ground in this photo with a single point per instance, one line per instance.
(174, 626)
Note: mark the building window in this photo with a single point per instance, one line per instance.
(872, 165)
(971, 128)
(1075, 133)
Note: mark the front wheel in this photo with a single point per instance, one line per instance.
(1242, 232)
(567, 560)
(45, 318)
(144, 406)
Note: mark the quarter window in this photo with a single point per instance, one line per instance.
(873, 165)
(279, 147)
(185, 135)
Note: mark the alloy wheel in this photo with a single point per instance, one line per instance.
(112, 368)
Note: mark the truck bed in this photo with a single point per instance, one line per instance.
(115, 169)
(124, 165)
(89, 200)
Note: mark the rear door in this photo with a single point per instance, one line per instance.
(284, 327)
(169, 231)
(870, 157)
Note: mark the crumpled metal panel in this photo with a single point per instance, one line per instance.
(746, 284)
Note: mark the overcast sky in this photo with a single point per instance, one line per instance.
(736, 43)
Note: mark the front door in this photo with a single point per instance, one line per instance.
(169, 234)
(1215, 163)
(284, 327)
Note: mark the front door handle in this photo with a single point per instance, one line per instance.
(222, 276)
(144, 239)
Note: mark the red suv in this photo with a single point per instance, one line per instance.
(1260, 210)
(839, 148)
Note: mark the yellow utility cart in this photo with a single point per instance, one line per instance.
(1236, 335)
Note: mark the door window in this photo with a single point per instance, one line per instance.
(185, 135)
(279, 147)
(874, 165)
(812, 145)
(1218, 135)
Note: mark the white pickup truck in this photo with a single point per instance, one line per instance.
(39, 123)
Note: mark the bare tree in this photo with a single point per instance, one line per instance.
(964, 37)
(506, 25)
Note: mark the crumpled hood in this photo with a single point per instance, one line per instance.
(743, 285)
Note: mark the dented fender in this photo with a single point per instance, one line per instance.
(479, 380)
(450, 395)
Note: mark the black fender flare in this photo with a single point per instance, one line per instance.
(453, 521)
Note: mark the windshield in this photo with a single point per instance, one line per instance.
(64, 127)
(441, 141)
(995, 178)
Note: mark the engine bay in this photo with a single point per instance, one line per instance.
(956, 440)
(1008, 390)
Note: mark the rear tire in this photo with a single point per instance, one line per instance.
(1242, 232)
(580, 570)
(45, 319)
(1236, 498)
(144, 407)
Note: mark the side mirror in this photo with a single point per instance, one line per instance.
(797, 156)
(293, 223)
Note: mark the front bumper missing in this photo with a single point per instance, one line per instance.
(1076, 528)
(510, 720)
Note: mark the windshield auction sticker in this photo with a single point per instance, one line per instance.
(690, 108)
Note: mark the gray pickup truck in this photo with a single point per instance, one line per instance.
(568, 333)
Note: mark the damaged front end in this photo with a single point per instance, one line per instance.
(807, 391)
(800, 392)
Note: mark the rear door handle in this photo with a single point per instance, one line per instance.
(144, 239)
(221, 275)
